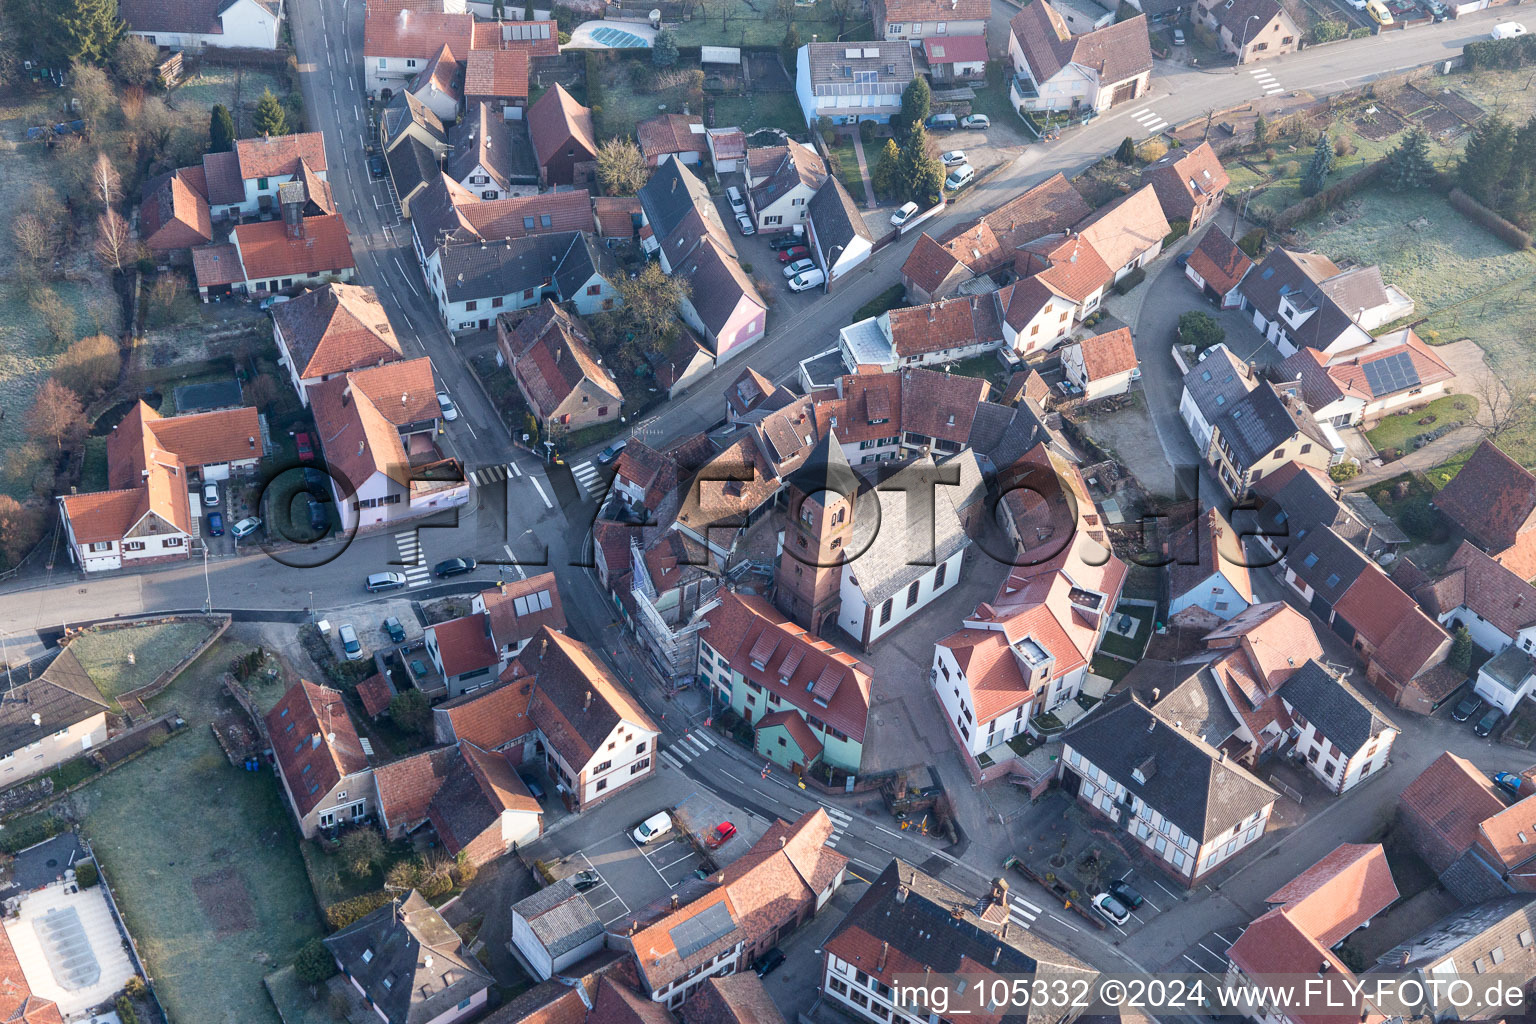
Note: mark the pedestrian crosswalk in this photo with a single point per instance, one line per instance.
(1023, 912)
(416, 572)
(691, 745)
(1148, 120)
(1266, 81)
(587, 477)
(840, 821)
(494, 474)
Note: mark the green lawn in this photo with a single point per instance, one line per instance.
(119, 660)
(1112, 669)
(894, 297)
(1398, 431)
(762, 110)
(847, 166)
(1129, 647)
(204, 861)
(754, 23)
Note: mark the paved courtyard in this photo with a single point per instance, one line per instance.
(69, 947)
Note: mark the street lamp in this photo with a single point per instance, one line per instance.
(207, 587)
(1244, 41)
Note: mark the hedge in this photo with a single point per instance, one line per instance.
(1501, 53)
(1130, 280)
(1177, 229)
(339, 915)
(1328, 197)
(15, 839)
(1495, 224)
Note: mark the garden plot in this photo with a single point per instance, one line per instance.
(120, 660)
(237, 88)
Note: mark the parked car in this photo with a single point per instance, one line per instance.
(942, 123)
(272, 300)
(394, 630)
(1183, 260)
(906, 213)
(306, 450)
(350, 645)
(1507, 30)
(1509, 782)
(1488, 722)
(652, 828)
(787, 241)
(738, 203)
(960, 177)
(245, 527)
(1380, 13)
(585, 879)
(723, 832)
(799, 267)
(745, 224)
(978, 122)
(1469, 705)
(954, 157)
(1178, 37)
(318, 520)
(610, 453)
(534, 789)
(769, 962)
(1125, 893)
(215, 524)
(798, 252)
(210, 494)
(807, 279)
(445, 404)
(1112, 909)
(381, 581)
(1438, 10)
(454, 567)
(376, 165)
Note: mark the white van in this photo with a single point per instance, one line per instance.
(1507, 30)
(960, 177)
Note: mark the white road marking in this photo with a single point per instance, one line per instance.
(586, 476)
(732, 777)
(666, 755)
(1198, 965)
(515, 470)
(513, 559)
(542, 495)
(407, 277)
(1064, 924)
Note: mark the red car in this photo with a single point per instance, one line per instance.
(306, 452)
(723, 831)
(799, 252)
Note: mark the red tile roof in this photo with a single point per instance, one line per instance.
(501, 74)
(314, 741)
(798, 731)
(1105, 355)
(577, 701)
(1127, 227)
(1352, 379)
(1480, 584)
(1447, 803)
(539, 38)
(1406, 641)
(671, 133)
(505, 218)
(17, 1003)
(266, 251)
(552, 356)
(956, 49)
(406, 787)
(490, 718)
(404, 392)
(1069, 265)
(1219, 261)
(174, 214)
(464, 644)
(1493, 498)
(1339, 893)
(997, 684)
(947, 324)
(1186, 179)
(900, 11)
(335, 328)
(359, 440)
(276, 156)
(375, 693)
(214, 266)
(1273, 638)
(518, 608)
(1276, 944)
(554, 120)
(399, 29)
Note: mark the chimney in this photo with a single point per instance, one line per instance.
(293, 219)
(427, 962)
(901, 894)
(586, 705)
(1156, 693)
(1151, 725)
(543, 644)
(674, 901)
(997, 954)
(885, 947)
(1221, 757)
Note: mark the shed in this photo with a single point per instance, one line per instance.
(720, 55)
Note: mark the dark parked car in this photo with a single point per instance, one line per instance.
(394, 630)
(769, 962)
(1488, 722)
(585, 879)
(318, 520)
(789, 241)
(536, 790)
(215, 524)
(1125, 893)
(376, 165)
(1470, 705)
(454, 567)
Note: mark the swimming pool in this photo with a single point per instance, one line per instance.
(617, 38)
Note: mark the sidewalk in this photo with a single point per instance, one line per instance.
(869, 190)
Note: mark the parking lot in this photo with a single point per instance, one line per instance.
(1209, 954)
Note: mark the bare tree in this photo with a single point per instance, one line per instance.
(56, 414)
(105, 181)
(35, 239)
(1502, 402)
(845, 9)
(93, 89)
(114, 244)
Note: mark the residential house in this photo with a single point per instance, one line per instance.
(1083, 16)
(915, 20)
(957, 59)
(492, 718)
(1102, 364)
(498, 79)
(1190, 807)
(780, 183)
(678, 952)
(319, 758)
(1212, 386)
(220, 24)
(1250, 658)
(849, 84)
(20, 1002)
(400, 38)
(330, 331)
(1360, 387)
(174, 213)
(1477, 593)
(1259, 432)
(266, 163)
(598, 741)
(410, 965)
(555, 928)
(267, 257)
(1303, 300)
(751, 396)
(560, 375)
(1506, 679)
(733, 999)
(445, 212)
(49, 720)
(934, 334)
(147, 514)
(1189, 184)
(415, 142)
(1207, 571)
(1053, 70)
(891, 931)
(1492, 499)
(377, 428)
(474, 800)
(464, 653)
(835, 231)
(1074, 276)
(1251, 29)
(563, 139)
(618, 219)
(764, 666)
(936, 269)
(686, 232)
(1127, 233)
(1339, 733)
(727, 149)
(1479, 846)
(480, 155)
(1217, 267)
(1340, 894)
(518, 608)
(1296, 498)
(475, 282)
(1493, 937)
(672, 135)
(440, 85)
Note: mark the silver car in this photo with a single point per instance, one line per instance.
(445, 403)
(745, 224)
(799, 267)
(350, 645)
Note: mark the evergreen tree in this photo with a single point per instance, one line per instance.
(89, 30)
(1521, 199)
(1408, 165)
(886, 176)
(916, 102)
(928, 185)
(664, 49)
(528, 11)
(1260, 131)
(270, 118)
(221, 130)
(1460, 657)
(1126, 154)
(1487, 161)
(1316, 177)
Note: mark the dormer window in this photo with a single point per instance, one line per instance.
(367, 956)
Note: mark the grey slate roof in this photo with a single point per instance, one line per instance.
(1465, 934)
(409, 961)
(889, 63)
(1325, 562)
(1286, 273)
(1303, 504)
(1333, 706)
(404, 108)
(1201, 794)
(560, 917)
(1216, 382)
(61, 697)
(480, 139)
(411, 164)
(500, 268)
(836, 219)
(901, 543)
(672, 193)
(1196, 703)
(1258, 423)
(825, 469)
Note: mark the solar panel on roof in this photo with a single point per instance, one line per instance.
(708, 926)
(1391, 373)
